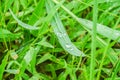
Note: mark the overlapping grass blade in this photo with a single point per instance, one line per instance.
(61, 34)
(102, 30)
(44, 58)
(63, 38)
(26, 26)
(8, 36)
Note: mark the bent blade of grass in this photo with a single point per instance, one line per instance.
(44, 58)
(61, 34)
(102, 30)
(63, 38)
(8, 36)
(20, 14)
(12, 71)
(45, 44)
(26, 26)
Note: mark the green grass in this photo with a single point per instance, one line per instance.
(59, 39)
(93, 45)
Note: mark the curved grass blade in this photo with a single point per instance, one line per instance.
(101, 29)
(26, 26)
(63, 37)
(8, 36)
(61, 34)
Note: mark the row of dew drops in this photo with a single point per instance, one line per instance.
(67, 45)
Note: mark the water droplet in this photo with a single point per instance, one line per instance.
(61, 34)
(71, 49)
(117, 34)
(69, 46)
(64, 34)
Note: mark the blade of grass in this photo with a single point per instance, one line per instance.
(61, 34)
(44, 58)
(93, 46)
(8, 36)
(33, 61)
(38, 12)
(26, 26)
(102, 30)
(12, 71)
(20, 14)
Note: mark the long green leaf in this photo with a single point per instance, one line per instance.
(94, 35)
(102, 30)
(26, 26)
(8, 36)
(44, 58)
(61, 34)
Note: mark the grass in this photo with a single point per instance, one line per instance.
(93, 45)
(59, 40)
